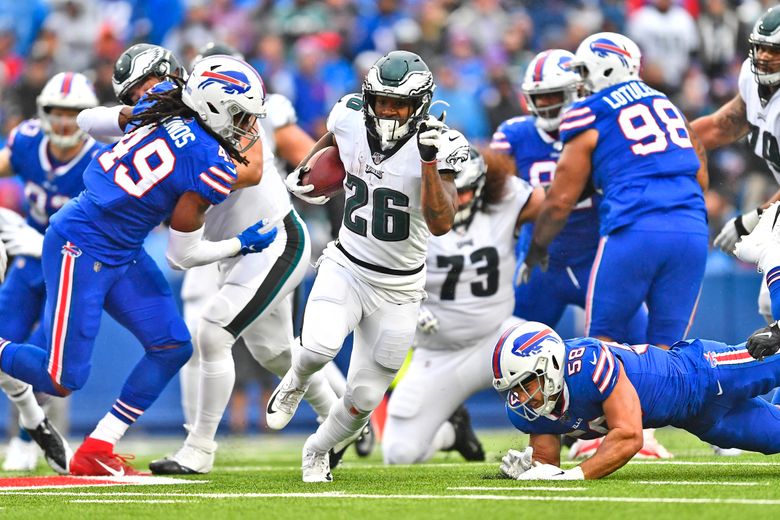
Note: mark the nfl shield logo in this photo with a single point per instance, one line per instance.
(377, 157)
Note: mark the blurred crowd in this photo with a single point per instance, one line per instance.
(315, 51)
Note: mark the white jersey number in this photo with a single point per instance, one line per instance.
(637, 123)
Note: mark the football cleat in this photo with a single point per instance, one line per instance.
(315, 466)
(283, 403)
(652, 449)
(466, 442)
(764, 342)
(584, 448)
(21, 455)
(752, 246)
(726, 452)
(55, 448)
(366, 441)
(96, 458)
(196, 456)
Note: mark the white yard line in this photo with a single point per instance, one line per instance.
(125, 501)
(517, 488)
(696, 483)
(703, 463)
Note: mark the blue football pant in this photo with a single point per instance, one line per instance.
(22, 299)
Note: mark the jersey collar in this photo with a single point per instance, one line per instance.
(62, 169)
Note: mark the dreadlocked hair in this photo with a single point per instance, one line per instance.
(500, 167)
(167, 105)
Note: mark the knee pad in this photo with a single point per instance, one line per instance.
(392, 347)
(214, 342)
(365, 396)
(175, 356)
(398, 451)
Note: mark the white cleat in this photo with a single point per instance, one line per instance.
(751, 247)
(584, 448)
(726, 452)
(196, 456)
(21, 455)
(283, 403)
(652, 449)
(315, 466)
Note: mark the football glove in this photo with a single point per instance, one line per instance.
(764, 342)
(293, 183)
(541, 471)
(429, 137)
(536, 256)
(735, 229)
(427, 322)
(253, 240)
(515, 463)
(22, 240)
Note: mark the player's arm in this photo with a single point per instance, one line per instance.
(293, 181)
(726, 125)
(438, 196)
(623, 414)
(5, 162)
(292, 143)
(547, 448)
(186, 247)
(702, 176)
(103, 123)
(530, 211)
(250, 174)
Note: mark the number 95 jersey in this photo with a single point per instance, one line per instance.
(470, 273)
(384, 231)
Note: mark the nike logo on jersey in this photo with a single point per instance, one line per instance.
(114, 472)
(452, 138)
(720, 389)
(595, 359)
(764, 334)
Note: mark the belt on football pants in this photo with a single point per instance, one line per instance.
(378, 268)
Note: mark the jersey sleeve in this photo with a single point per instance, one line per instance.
(215, 178)
(341, 110)
(518, 193)
(580, 117)
(502, 137)
(21, 142)
(600, 376)
(453, 153)
(280, 111)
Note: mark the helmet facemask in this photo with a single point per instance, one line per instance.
(532, 387)
(390, 130)
(548, 117)
(52, 123)
(471, 178)
(245, 126)
(766, 36)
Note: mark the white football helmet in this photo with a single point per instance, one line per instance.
(524, 352)
(71, 90)
(229, 96)
(470, 178)
(399, 74)
(606, 59)
(550, 72)
(766, 33)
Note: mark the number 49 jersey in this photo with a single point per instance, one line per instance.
(470, 273)
(644, 162)
(134, 185)
(764, 121)
(384, 231)
(47, 187)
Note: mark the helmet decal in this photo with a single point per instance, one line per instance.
(233, 81)
(530, 343)
(603, 47)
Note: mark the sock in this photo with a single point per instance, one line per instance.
(216, 384)
(306, 363)
(320, 395)
(189, 380)
(340, 425)
(444, 438)
(30, 412)
(110, 429)
(773, 282)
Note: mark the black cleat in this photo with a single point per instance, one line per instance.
(364, 444)
(55, 448)
(168, 466)
(764, 342)
(466, 442)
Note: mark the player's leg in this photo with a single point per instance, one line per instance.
(751, 424)
(334, 308)
(675, 289)
(382, 339)
(142, 302)
(540, 299)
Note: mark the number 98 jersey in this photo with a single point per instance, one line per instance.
(470, 273)
(644, 162)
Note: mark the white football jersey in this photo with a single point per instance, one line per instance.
(279, 113)
(764, 121)
(383, 222)
(470, 274)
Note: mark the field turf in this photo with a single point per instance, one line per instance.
(259, 477)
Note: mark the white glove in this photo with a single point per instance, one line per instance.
(549, 472)
(3, 261)
(22, 240)
(429, 137)
(427, 322)
(735, 229)
(293, 183)
(516, 462)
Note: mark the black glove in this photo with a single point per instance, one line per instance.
(429, 137)
(764, 342)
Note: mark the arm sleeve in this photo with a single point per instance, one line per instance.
(186, 250)
(577, 119)
(101, 122)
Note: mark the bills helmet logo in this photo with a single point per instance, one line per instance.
(531, 343)
(232, 81)
(603, 47)
(564, 63)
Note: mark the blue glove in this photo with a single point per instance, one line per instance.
(253, 241)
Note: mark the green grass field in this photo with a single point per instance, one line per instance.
(260, 477)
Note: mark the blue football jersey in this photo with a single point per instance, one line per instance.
(536, 153)
(47, 185)
(644, 163)
(590, 376)
(134, 185)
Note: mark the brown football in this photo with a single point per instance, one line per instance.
(326, 173)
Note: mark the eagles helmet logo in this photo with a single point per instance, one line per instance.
(232, 81)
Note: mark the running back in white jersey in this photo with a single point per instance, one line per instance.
(764, 121)
(383, 220)
(470, 273)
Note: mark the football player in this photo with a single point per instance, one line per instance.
(400, 165)
(755, 110)
(469, 305)
(93, 256)
(591, 388)
(50, 154)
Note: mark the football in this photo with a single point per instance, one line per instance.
(326, 173)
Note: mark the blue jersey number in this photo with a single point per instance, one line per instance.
(638, 124)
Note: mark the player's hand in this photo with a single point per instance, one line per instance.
(427, 322)
(541, 471)
(294, 186)
(515, 463)
(429, 136)
(735, 229)
(764, 342)
(253, 240)
(22, 240)
(537, 256)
